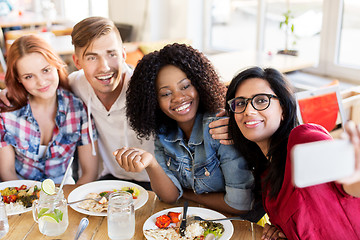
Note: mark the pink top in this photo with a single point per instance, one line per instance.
(323, 211)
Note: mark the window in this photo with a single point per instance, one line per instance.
(349, 50)
(80, 9)
(326, 31)
(339, 40)
(306, 16)
(232, 25)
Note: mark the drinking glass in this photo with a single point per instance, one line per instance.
(4, 225)
(121, 216)
(50, 212)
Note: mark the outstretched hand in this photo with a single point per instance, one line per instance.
(219, 129)
(133, 159)
(4, 98)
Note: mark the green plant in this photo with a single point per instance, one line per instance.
(288, 27)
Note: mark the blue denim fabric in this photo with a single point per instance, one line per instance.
(204, 165)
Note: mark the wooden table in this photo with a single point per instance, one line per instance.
(24, 227)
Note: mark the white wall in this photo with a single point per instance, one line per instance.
(77, 10)
(198, 20)
(130, 12)
(155, 20)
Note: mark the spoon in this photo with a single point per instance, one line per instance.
(83, 224)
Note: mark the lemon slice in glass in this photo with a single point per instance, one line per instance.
(48, 186)
(49, 219)
(53, 217)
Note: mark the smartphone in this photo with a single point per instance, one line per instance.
(323, 161)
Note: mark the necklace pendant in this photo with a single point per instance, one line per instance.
(207, 173)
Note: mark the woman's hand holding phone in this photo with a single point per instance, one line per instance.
(325, 161)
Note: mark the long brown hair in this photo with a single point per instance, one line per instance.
(22, 46)
(278, 142)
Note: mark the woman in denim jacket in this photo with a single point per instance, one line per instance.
(173, 95)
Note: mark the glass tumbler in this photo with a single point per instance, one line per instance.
(4, 225)
(121, 216)
(51, 213)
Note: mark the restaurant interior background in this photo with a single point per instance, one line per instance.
(326, 32)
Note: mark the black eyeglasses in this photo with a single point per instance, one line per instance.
(259, 102)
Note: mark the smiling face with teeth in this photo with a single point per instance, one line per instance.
(258, 126)
(102, 62)
(177, 97)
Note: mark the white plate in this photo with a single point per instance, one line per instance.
(101, 186)
(202, 212)
(18, 183)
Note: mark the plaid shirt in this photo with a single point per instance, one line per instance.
(20, 130)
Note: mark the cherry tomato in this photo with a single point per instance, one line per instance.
(12, 198)
(7, 199)
(163, 221)
(174, 216)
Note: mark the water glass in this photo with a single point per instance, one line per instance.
(4, 225)
(50, 212)
(121, 216)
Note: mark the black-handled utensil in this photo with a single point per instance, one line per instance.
(183, 221)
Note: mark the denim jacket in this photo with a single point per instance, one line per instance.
(204, 165)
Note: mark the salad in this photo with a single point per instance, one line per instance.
(134, 191)
(19, 198)
(168, 228)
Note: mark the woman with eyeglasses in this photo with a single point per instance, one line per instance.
(263, 125)
(173, 95)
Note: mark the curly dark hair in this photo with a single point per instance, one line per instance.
(142, 107)
(278, 142)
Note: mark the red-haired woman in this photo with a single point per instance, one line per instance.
(46, 123)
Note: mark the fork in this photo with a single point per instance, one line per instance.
(95, 199)
(191, 219)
